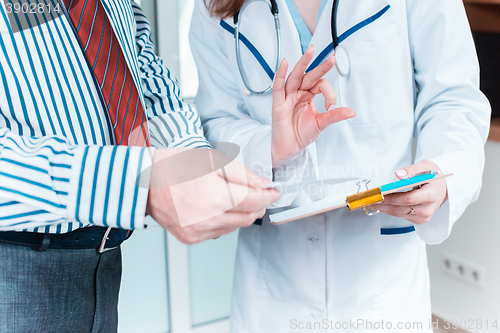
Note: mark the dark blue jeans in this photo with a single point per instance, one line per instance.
(58, 290)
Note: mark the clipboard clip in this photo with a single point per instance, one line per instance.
(366, 198)
(360, 200)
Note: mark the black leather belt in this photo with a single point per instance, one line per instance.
(99, 238)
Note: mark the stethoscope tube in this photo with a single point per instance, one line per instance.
(275, 12)
(343, 63)
(342, 58)
(335, 36)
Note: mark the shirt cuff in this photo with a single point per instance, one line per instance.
(109, 186)
(462, 188)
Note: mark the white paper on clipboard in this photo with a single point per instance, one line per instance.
(289, 187)
(313, 208)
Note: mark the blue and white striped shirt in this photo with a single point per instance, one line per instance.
(59, 169)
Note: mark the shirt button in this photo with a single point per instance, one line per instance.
(313, 239)
(315, 315)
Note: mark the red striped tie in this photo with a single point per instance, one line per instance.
(108, 63)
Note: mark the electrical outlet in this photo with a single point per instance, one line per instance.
(463, 269)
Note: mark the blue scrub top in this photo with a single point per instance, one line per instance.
(304, 33)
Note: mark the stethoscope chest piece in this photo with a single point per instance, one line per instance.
(343, 63)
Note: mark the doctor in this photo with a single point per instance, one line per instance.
(409, 70)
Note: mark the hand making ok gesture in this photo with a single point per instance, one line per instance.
(295, 121)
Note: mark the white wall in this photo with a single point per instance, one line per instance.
(476, 237)
(144, 295)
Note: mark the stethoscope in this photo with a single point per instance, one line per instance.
(342, 61)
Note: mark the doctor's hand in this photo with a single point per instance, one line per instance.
(295, 121)
(195, 204)
(425, 200)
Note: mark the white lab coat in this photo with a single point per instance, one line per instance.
(414, 73)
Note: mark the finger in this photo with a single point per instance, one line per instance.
(203, 231)
(244, 220)
(279, 84)
(220, 224)
(227, 222)
(419, 167)
(294, 80)
(215, 227)
(325, 88)
(190, 235)
(238, 174)
(423, 213)
(425, 194)
(396, 210)
(257, 200)
(403, 215)
(334, 116)
(311, 78)
(234, 172)
(256, 181)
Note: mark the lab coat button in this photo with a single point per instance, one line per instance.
(315, 315)
(313, 239)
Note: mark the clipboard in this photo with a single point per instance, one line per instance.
(360, 200)
(285, 186)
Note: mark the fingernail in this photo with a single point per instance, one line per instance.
(401, 173)
(330, 57)
(331, 108)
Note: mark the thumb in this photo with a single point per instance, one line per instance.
(412, 170)
(333, 116)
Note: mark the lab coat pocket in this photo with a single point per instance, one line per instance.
(404, 283)
(399, 247)
(374, 87)
(396, 238)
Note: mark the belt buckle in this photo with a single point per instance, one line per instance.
(103, 242)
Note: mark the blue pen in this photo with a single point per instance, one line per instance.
(409, 181)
